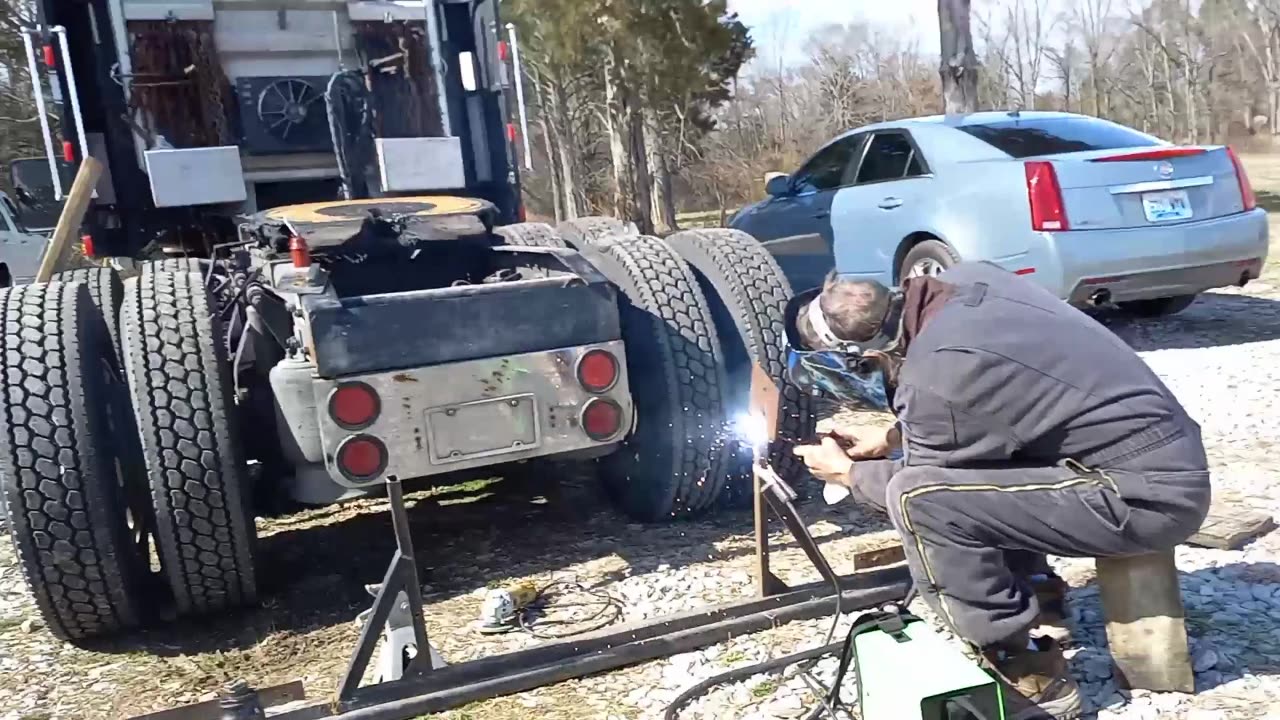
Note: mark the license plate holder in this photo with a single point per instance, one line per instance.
(483, 428)
(1166, 205)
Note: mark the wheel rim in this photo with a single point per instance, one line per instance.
(926, 267)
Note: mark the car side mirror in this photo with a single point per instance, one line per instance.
(777, 184)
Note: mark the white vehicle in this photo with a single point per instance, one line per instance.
(20, 251)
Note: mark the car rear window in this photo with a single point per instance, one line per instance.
(1029, 137)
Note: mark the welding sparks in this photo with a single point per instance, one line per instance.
(753, 429)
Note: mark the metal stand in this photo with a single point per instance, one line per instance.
(400, 594)
(425, 686)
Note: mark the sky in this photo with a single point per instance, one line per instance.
(781, 26)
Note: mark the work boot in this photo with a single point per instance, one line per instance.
(1051, 595)
(1036, 682)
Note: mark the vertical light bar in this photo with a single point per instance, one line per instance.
(524, 119)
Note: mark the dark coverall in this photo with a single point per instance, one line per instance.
(1028, 428)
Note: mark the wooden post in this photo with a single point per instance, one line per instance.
(1146, 622)
(72, 216)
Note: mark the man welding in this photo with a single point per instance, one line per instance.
(1027, 428)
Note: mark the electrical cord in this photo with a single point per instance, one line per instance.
(351, 129)
(609, 611)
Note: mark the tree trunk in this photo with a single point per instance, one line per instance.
(662, 199)
(566, 142)
(959, 66)
(557, 200)
(626, 147)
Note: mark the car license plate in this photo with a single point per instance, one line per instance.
(1166, 205)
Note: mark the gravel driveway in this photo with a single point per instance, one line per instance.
(1221, 357)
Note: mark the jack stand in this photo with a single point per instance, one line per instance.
(399, 596)
(399, 646)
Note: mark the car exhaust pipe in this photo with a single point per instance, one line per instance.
(1100, 298)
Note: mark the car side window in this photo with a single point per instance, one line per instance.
(891, 156)
(10, 215)
(828, 169)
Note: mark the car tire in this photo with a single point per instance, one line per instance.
(66, 432)
(107, 291)
(180, 379)
(586, 232)
(748, 295)
(932, 256)
(530, 235)
(672, 464)
(1157, 307)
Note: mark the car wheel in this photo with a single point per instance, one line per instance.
(927, 259)
(1158, 307)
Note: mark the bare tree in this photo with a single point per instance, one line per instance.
(959, 65)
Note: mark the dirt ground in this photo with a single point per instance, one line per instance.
(470, 537)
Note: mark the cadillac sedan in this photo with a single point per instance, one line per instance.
(1096, 212)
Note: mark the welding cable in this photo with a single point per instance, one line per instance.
(610, 610)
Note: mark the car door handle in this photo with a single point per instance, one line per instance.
(890, 203)
(822, 214)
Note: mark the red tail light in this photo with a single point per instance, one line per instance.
(1045, 197)
(49, 58)
(511, 132)
(86, 242)
(503, 49)
(68, 151)
(601, 418)
(299, 252)
(354, 405)
(362, 457)
(1159, 154)
(1246, 188)
(597, 371)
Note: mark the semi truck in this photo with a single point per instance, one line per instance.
(334, 288)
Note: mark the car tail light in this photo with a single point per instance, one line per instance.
(601, 418)
(1246, 188)
(597, 371)
(1045, 197)
(362, 457)
(354, 405)
(1159, 154)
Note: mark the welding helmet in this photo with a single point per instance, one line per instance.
(840, 368)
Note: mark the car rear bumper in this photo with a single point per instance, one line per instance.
(1143, 263)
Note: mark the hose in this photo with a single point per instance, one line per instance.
(351, 129)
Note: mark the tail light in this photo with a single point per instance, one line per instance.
(1158, 154)
(511, 132)
(597, 371)
(504, 50)
(354, 405)
(1045, 197)
(362, 458)
(1246, 188)
(86, 242)
(49, 58)
(68, 151)
(601, 418)
(299, 253)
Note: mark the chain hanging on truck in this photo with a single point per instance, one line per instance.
(178, 88)
(398, 62)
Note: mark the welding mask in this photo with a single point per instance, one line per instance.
(840, 369)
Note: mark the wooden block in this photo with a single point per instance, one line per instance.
(1229, 527)
(1146, 622)
(73, 210)
(880, 557)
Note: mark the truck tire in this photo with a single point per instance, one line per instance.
(107, 292)
(1157, 307)
(672, 464)
(531, 235)
(180, 379)
(585, 232)
(929, 257)
(748, 295)
(65, 425)
(177, 265)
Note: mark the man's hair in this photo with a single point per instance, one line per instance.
(854, 310)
